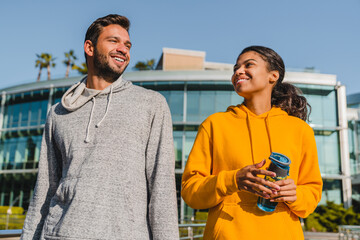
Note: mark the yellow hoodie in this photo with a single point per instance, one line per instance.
(231, 140)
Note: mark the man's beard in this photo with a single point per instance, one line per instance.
(103, 68)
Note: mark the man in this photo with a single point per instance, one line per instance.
(106, 166)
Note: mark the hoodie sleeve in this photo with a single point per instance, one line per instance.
(309, 182)
(160, 172)
(47, 182)
(201, 189)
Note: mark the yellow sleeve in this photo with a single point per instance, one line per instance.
(309, 183)
(201, 189)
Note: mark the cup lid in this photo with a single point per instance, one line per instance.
(280, 158)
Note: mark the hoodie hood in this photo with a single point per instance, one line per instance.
(241, 111)
(78, 94)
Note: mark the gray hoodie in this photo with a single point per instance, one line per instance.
(106, 167)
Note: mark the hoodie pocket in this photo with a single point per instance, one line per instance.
(216, 219)
(220, 222)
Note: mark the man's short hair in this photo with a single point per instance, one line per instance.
(96, 27)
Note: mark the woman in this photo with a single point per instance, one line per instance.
(226, 167)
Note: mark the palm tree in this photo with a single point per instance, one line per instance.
(49, 63)
(81, 69)
(45, 60)
(148, 65)
(69, 61)
(40, 62)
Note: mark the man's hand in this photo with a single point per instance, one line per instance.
(248, 180)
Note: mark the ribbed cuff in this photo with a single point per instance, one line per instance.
(227, 180)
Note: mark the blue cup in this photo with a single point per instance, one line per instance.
(280, 164)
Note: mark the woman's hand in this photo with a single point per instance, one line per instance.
(287, 192)
(248, 180)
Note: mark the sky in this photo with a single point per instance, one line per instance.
(321, 34)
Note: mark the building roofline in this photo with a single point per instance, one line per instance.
(184, 52)
(181, 76)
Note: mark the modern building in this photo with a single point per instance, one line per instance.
(194, 89)
(353, 116)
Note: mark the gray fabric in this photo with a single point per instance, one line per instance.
(121, 184)
(78, 94)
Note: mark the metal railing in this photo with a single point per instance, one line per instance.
(194, 231)
(321, 236)
(10, 234)
(349, 232)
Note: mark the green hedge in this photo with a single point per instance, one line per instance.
(15, 220)
(327, 218)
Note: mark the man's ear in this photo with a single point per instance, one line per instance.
(89, 48)
(274, 77)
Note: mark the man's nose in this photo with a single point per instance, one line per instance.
(122, 48)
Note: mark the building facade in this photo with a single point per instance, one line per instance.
(353, 116)
(192, 96)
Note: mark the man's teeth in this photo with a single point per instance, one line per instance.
(119, 59)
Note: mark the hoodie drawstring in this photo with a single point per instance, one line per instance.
(250, 136)
(267, 125)
(248, 122)
(87, 138)
(107, 107)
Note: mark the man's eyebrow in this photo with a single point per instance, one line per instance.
(118, 38)
(128, 42)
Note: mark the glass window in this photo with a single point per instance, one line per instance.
(178, 148)
(201, 104)
(328, 152)
(17, 189)
(353, 149)
(189, 142)
(35, 111)
(222, 101)
(44, 111)
(188, 212)
(11, 154)
(176, 104)
(324, 104)
(57, 100)
(207, 104)
(24, 112)
(178, 192)
(20, 152)
(236, 99)
(193, 106)
(14, 117)
(355, 192)
(175, 100)
(331, 191)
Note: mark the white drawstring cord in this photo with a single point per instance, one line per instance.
(87, 139)
(107, 107)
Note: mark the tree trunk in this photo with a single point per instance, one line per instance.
(48, 71)
(39, 75)
(67, 71)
